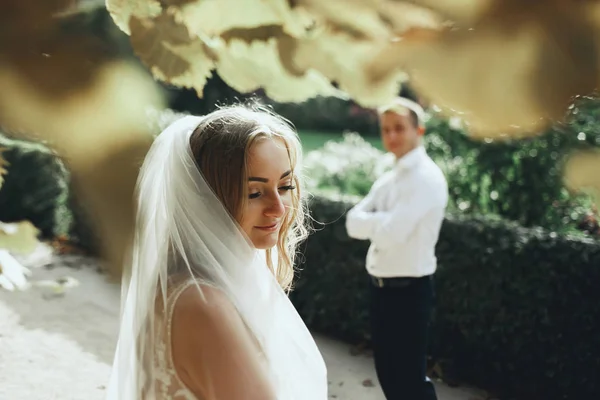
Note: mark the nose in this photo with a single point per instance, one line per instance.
(276, 208)
(394, 135)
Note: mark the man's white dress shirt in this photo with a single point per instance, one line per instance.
(402, 216)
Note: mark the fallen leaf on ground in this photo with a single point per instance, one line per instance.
(57, 286)
(368, 383)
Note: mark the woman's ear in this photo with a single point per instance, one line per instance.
(421, 130)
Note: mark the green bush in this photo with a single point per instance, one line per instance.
(520, 180)
(35, 188)
(518, 310)
(350, 166)
(81, 231)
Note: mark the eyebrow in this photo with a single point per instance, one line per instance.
(265, 180)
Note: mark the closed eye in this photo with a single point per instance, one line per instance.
(285, 188)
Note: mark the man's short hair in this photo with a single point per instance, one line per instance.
(406, 107)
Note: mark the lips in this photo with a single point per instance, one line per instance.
(268, 228)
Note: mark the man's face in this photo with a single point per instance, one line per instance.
(399, 133)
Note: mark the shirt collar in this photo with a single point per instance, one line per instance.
(411, 158)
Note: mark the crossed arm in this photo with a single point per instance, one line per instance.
(386, 228)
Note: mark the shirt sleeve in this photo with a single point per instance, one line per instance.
(395, 226)
(360, 219)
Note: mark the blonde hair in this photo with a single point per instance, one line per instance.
(220, 146)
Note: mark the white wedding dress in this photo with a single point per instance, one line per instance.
(168, 384)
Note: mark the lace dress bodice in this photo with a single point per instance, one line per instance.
(168, 384)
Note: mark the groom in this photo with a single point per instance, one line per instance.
(402, 216)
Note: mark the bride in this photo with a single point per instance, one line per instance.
(205, 313)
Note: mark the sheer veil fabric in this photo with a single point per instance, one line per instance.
(183, 231)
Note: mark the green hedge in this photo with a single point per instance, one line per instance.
(35, 188)
(517, 311)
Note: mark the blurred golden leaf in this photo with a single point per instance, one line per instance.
(122, 11)
(403, 16)
(343, 60)
(92, 109)
(101, 133)
(30, 17)
(581, 172)
(292, 53)
(263, 68)
(461, 12)
(3, 165)
(35, 41)
(175, 55)
(213, 18)
(343, 16)
(18, 237)
(170, 51)
(514, 70)
(503, 66)
(379, 19)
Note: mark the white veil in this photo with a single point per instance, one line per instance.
(182, 226)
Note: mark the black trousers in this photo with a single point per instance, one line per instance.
(399, 324)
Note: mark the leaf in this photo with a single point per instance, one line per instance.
(36, 42)
(249, 35)
(344, 60)
(263, 68)
(171, 53)
(213, 17)
(403, 16)
(341, 15)
(29, 17)
(57, 286)
(504, 74)
(101, 132)
(379, 20)
(368, 383)
(18, 237)
(463, 12)
(3, 165)
(122, 11)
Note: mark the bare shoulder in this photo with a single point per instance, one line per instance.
(214, 353)
(203, 319)
(201, 306)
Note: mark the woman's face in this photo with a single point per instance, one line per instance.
(270, 186)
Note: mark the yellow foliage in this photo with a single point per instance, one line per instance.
(18, 237)
(503, 66)
(86, 105)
